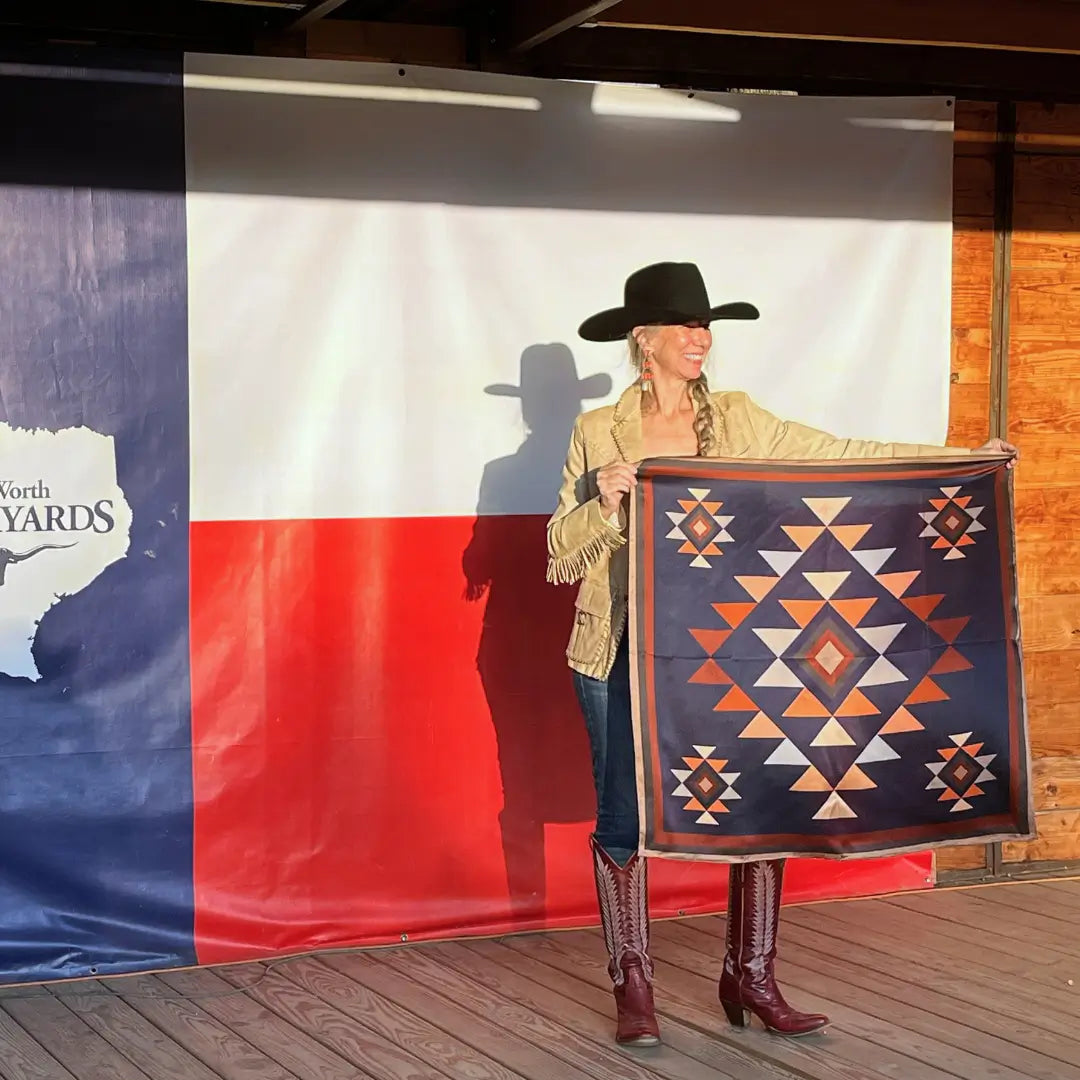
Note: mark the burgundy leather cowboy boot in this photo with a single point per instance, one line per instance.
(748, 984)
(622, 892)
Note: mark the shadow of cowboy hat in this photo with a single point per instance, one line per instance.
(550, 372)
(666, 293)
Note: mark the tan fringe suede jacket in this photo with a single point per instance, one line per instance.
(584, 545)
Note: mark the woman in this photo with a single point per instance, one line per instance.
(667, 412)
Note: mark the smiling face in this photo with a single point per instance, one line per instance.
(679, 352)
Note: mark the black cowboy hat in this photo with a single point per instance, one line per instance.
(666, 293)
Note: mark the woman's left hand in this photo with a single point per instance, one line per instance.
(999, 446)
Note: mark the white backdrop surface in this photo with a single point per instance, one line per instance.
(369, 252)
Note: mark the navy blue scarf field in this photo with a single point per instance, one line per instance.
(826, 657)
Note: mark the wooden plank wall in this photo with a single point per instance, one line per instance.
(1044, 420)
(1043, 394)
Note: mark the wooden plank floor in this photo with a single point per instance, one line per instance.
(982, 984)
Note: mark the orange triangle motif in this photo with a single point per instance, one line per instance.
(802, 611)
(693, 804)
(688, 549)
(711, 640)
(973, 791)
(712, 674)
(857, 704)
(927, 690)
(757, 587)
(761, 727)
(941, 542)
(849, 535)
(923, 606)
(948, 753)
(949, 629)
(898, 584)
(965, 540)
(711, 549)
(939, 504)
(806, 705)
(733, 614)
(950, 661)
(811, 780)
(973, 748)
(855, 780)
(735, 700)
(719, 808)
(688, 504)
(712, 507)
(803, 535)
(947, 795)
(963, 501)
(899, 722)
(853, 611)
(693, 762)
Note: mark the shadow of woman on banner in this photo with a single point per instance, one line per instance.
(542, 746)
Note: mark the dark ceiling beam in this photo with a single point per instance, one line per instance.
(133, 23)
(704, 62)
(1050, 26)
(533, 22)
(314, 13)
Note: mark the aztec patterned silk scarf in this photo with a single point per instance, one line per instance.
(826, 657)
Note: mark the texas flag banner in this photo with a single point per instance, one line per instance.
(826, 658)
(290, 369)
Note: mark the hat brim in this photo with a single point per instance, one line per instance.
(592, 386)
(616, 323)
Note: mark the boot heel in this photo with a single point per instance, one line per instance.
(736, 1014)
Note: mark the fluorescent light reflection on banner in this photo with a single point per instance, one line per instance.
(357, 91)
(654, 103)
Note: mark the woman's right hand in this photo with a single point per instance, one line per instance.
(615, 481)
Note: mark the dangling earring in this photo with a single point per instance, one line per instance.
(646, 372)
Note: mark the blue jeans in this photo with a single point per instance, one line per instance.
(605, 704)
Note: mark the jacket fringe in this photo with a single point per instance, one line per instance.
(573, 566)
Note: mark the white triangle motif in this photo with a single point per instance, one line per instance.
(777, 638)
(779, 674)
(832, 734)
(873, 559)
(880, 673)
(781, 561)
(877, 749)
(787, 753)
(834, 807)
(701, 561)
(826, 584)
(961, 804)
(699, 493)
(879, 638)
(826, 510)
(949, 492)
(704, 751)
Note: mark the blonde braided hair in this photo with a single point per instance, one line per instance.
(705, 419)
